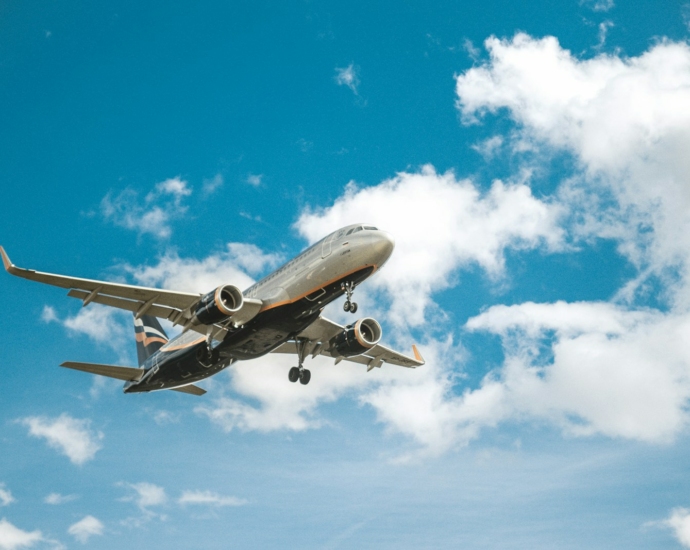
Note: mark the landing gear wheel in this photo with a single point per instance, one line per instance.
(294, 374)
(304, 377)
(353, 307)
(347, 306)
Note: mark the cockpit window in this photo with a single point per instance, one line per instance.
(370, 228)
(357, 229)
(350, 231)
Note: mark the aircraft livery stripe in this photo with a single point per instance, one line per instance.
(314, 289)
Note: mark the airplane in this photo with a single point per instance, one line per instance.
(281, 313)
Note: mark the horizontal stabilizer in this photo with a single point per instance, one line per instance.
(190, 388)
(111, 371)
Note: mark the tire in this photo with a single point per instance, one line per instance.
(346, 306)
(293, 374)
(353, 307)
(305, 377)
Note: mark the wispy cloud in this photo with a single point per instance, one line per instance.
(56, 498)
(348, 76)
(211, 185)
(146, 496)
(70, 436)
(6, 497)
(154, 214)
(209, 498)
(86, 528)
(255, 180)
(598, 5)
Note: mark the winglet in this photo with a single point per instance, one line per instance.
(417, 355)
(6, 260)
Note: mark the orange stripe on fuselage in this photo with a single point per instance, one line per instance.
(313, 289)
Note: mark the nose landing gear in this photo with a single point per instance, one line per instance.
(349, 288)
(299, 372)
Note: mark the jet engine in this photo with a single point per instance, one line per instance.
(357, 338)
(219, 304)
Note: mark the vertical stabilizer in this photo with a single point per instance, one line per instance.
(150, 337)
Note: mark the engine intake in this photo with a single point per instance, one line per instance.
(219, 304)
(357, 338)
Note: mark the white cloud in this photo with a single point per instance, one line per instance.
(604, 27)
(57, 498)
(12, 538)
(212, 185)
(70, 436)
(48, 315)
(489, 147)
(281, 405)
(86, 528)
(441, 224)
(348, 76)
(255, 179)
(592, 368)
(6, 497)
(160, 207)
(627, 123)
(209, 498)
(599, 5)
(145, 495)
(679, 522)
(187, 274)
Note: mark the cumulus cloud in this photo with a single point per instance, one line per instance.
(208, 498)
(70, 436)
(154, 214)
(6, 497)
(187, 274)
(679, 522)
(441, 224)
(627, 123)
(592, 368)
(12, 538)
(348, 76)
(86, 528)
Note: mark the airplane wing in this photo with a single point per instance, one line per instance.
(321, 331)
(177, 307)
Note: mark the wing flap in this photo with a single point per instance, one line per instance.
(191, 389)
(156, 310)
(111, 371)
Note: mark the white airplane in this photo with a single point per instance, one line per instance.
(279, 314)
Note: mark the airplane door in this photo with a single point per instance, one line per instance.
(326, 247)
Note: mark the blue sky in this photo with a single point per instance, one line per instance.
(530, 161)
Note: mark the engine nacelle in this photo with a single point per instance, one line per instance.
(219, 304)
(357, 338)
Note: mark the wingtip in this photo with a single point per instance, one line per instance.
(6, 259)
(417, 355)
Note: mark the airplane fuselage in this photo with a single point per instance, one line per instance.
(293, 296)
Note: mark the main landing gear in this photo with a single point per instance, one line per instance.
(299, 372)
(349, 288)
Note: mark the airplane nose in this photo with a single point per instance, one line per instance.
(385, 243)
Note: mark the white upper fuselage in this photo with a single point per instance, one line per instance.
(341, 253)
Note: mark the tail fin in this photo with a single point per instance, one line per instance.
(150, 337)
